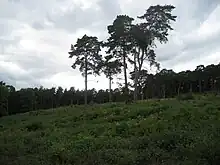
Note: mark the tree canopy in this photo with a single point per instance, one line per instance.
(86, 50)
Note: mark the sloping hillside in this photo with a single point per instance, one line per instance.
(151, 132)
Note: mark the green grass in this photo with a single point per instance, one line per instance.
(168, 132)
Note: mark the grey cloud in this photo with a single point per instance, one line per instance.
(190, 14)
(45, 66)
(37, 25)
(166, 56)
(16, 78)
(208, 43)
(37, 66)
(9, 41)
(110, 8)
(16, 1)
(204, 8)
(4, 28)
(71, 20)
(8, 10)
(190, 50)
(189, 53)
(174, 54)
(85, 18)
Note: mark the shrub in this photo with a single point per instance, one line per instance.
(3, 112)
(187, 96)
(34, 126)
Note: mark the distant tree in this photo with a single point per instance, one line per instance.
(119, 43)
(157, 21)
(164, 79)
(156, 26)
(86, 50)
(142, 79)
(199, 72)
(142, 51)
(110, 68)
(59, 95)
(4, 93)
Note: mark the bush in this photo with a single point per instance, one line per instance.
(3, 112)
(187, 96)
(34, 126)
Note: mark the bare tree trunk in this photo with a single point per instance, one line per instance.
(71, 102)
(125, 75)
(190, 87)
(179, 88)
(136, 77)
(85, 80)
(51, 102)
(7, 106)
(142, 94)
(200, 86)
(110, 89)
(164, 91)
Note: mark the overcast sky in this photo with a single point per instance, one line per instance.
(35, 36)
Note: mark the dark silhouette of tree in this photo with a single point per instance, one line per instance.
(156, 26)
(86, 50)
(110, 68)
(4, 93)
(157, 20)
(120, 43)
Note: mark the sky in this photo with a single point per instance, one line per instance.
(35, 37)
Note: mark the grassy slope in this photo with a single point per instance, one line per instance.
(153, 132)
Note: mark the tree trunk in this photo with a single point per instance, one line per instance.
(136, 77)
(200, 86)
(164, 91)
(190, 87)
(71, 102)
(7, 106)
(52, 102)
(85, 95)
(125, 75)
(110, 89)
(179, 88)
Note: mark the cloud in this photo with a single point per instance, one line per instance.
(75, 16)
(35, 37)
(193, 44)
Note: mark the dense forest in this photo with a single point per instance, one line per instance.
(128, 44)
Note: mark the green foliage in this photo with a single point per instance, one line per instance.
(187, 96)
(158, 19)
(34, 126)
(150, 132)
(86, 50)
(119, 43)
(4, 93)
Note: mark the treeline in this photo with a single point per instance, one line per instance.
(167, 83)
(29, 99)
(164, 84)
